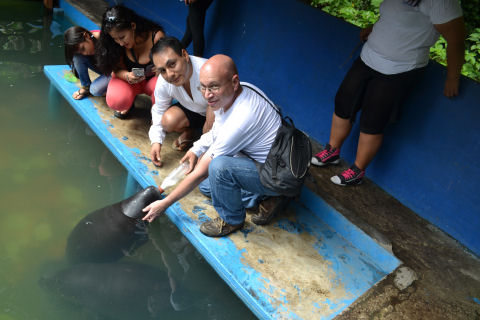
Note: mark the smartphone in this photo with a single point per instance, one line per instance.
(138, 72)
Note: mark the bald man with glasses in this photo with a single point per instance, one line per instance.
(222, 161)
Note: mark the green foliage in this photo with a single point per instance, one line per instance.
(363, 13)
(438, 51)
(472, 55)
(360, 13)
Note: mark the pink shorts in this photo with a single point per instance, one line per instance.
(121, 94)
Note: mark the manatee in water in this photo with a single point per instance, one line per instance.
(120, 290)
(107, 234)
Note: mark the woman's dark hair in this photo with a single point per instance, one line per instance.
(167, 42)
(72, 37)
(119, 18)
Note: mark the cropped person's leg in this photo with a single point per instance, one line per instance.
(249, 199)
(383, 96)
(120, 94)
(372, 122)
(347, 102)
(204, 188)
(228, 176)
(187, 36)
(196, 24)
(174, 120)
(369, 143)
(189, 124)
(99, 86)
(368, 146)
(339, 131)
(196, 20)
(81, 63)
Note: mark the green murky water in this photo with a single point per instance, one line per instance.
(54, 171)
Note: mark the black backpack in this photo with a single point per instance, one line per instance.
(288, 160)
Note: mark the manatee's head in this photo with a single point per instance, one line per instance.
(132, 207)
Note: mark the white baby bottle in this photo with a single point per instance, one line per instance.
(175, 176)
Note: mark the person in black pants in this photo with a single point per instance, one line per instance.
(195, 24)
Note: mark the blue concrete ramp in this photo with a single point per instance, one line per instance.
(309, 263)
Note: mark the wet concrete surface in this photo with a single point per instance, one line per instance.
(92, 9)
(448, 275)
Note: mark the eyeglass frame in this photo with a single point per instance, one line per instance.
(212, 89)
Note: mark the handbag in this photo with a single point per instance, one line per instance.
(288, 160)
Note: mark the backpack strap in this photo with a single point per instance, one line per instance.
(261, 95)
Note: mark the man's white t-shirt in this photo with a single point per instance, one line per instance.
(165, 92)
(248, 126)
(401, 38)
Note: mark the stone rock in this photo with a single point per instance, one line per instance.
(404, 277)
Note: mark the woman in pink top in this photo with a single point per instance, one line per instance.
(125, 43)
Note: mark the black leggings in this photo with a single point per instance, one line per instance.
(378, 95)
(195, 25)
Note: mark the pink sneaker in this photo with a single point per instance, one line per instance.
(328, 155)
(350, 177)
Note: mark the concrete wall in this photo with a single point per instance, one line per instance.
(298, 55)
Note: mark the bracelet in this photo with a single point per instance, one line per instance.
(126, 77)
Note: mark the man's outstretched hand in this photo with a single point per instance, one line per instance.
(155, 156)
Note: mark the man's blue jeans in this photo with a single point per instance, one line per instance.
(82, 63)
(233, 184)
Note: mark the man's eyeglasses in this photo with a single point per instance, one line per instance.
(211, 89)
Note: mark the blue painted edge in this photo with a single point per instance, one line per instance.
(384, 259)
(206, 246)
(76, 16)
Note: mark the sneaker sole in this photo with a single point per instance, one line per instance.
(315, 162)
(336, 180)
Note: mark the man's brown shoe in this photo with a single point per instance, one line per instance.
(218, 228)
(269, 208)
